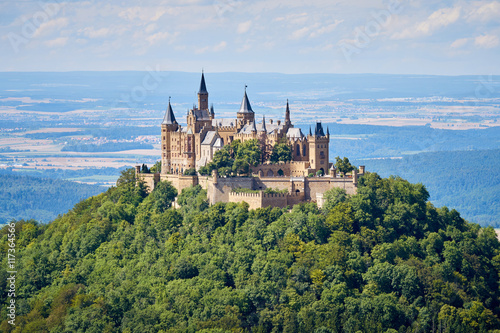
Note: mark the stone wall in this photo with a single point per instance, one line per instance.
(219, 191)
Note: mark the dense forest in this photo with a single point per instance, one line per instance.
(465, 180)
(383, 260)
(24, 197)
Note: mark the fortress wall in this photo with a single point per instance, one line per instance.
(180, 182)
(280, 183)
(296, 198)
(322, 184)
(150, 179)
(254, 200)
(220, 190)
(274, 200)
(293, 169)
(205, 182)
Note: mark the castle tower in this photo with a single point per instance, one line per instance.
(203, 94)
(212, 112)
(245, 115)
(318, 148)
(288, 122)
(168, 126)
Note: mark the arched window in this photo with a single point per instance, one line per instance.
(270, 173)
(304, 150)
(280, 173)
(298, 150)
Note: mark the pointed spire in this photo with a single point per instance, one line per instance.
(287, 114)
(169, 118)
(203, 86)
(254, 128)
(263, 129)
(319, 129)
(212, 109)
(327, 131)
(245, 104)
(310, 133)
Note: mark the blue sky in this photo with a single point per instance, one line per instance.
(287, 36)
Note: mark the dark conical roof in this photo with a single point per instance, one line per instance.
(169, 118)
(245, 105)
(310, 133)
(319, 129)
(263, 129)
(203, 86)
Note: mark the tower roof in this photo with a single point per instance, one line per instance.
(263, 129)
(245, 104)
(254, 128)
(203, 86)
(319, 129)
(169, 118)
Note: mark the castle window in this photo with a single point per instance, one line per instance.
(304, 150)
(298, 150)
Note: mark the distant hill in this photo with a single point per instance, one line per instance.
(25, 197)
(383, 260)
(468, 181)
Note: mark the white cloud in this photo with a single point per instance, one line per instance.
(147, 14)
(216, 48)
(487, 41)
(50, 26)
(219, 47)
(58, 42)
(437, 20)
(459, 43)
(485, 12)
(300, 33)
(326, 29)
(159, 36)
(244, 27)
(92, 33)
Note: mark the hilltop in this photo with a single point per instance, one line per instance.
(382, 260)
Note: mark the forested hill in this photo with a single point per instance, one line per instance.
(25, 197)
(383, 260)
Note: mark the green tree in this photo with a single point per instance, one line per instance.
(343, 165)
(163, 195)
(156, 168)
(333, 197)
(282, 152)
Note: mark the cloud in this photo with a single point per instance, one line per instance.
(50, 26)
(58, 42)
(92, 33)
(459, 43)
(216, 48)
(326, 29)
(437, 20)
(485, 12)
(300, 33)
(159, 36)
(486, 41)
(315, 30)
(244, 27)
(146, 14)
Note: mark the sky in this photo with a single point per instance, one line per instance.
(285, 36)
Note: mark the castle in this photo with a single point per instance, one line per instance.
(194, 146)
